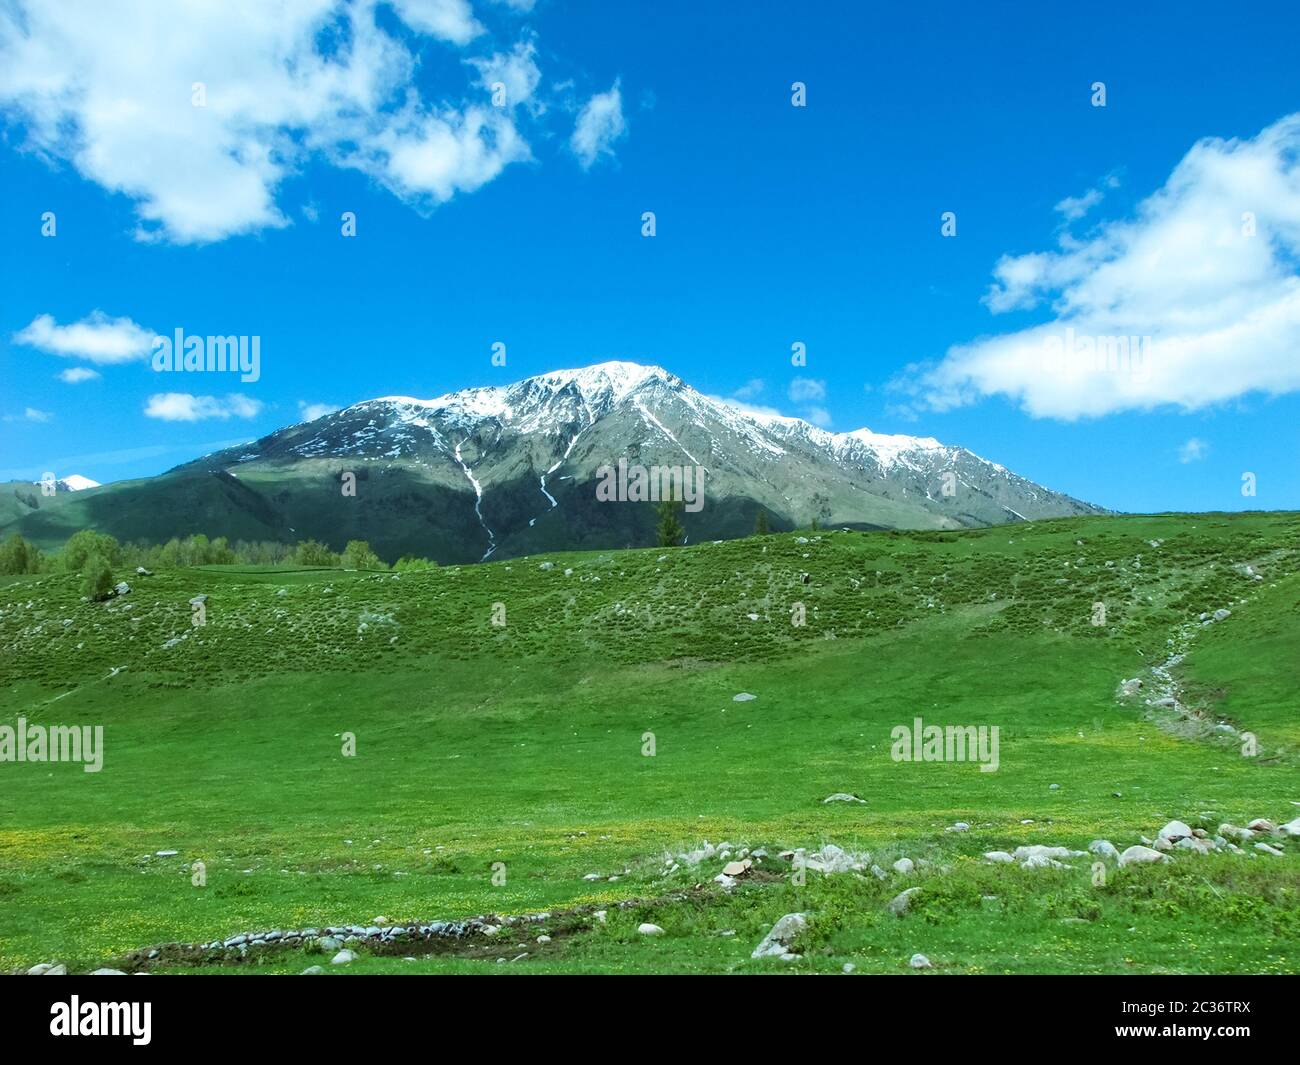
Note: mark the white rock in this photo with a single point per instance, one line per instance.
(1220, 615)
(920, 961)
(843, 796)
(960, 826)
(1040, 851)
(999, 856)
(743, 697)
(1262, 824)
(1138, 854)
(1291, 828)
(343, 957)
(314, 970)
(648, 929)
(904, 866)
(107, 972)
(848, 967)
(778, 941)
(1267, 849)
(41, 969)
(1174, 831)
(543, 939)
(1041, 861)
(1103, 848)
(56, 970)
(902, 902)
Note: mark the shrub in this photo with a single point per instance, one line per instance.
(96, 578)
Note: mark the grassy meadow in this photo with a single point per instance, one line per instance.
(522, 743)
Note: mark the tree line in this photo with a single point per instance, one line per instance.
(97, 555)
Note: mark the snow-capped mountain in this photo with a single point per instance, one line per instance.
(73, 483)
(498, 471)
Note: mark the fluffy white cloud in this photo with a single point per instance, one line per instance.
(184, 407)
(751, 389)
(311, 411)
(1194, 301)
(1193, 450)
(450, 20)
(76, 374)
(113, 89)
(96, 338)
(516, 70)
(807, 389)
(600, 123)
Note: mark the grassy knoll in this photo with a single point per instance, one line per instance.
(522, 744)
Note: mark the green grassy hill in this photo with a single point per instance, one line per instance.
(522, 744)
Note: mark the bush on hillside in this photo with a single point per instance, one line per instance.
(96, 578)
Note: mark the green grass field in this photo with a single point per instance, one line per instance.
(522, 744)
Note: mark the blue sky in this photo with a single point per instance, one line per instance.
(521, 224)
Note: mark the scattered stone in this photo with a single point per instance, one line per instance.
(737, 868)
(848, 967)
(107, 972)
(1053, 787)
(1174, 831)
(777, 943)
(1039, 851)
(1001, 857)
(1220, 615)
(904, 866)
(343, 957)
(743, 697)
(960, 826)
(902, 902)
(1130, 687)
(648, 929)
(843, 796)
(1136, 855)
(543, 939)
(1268, 849)
(1103, 848)
(121, 588)
(314, 970)
(1291, 828)
(1262, 824)
(166, 854)
(920, 961)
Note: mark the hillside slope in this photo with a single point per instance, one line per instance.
(506, 471)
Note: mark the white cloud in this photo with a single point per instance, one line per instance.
(108, 87)
(516, 70)
(600, 123)
(751, 389)
(76, 374)
(747, 408)
(311, 411)
(819, 416)
(1212, 309)
(450, 20)
(807, 389)
(31, 414)
(1193, 450)
(1074, 207)
(184, 407)
(96, 338)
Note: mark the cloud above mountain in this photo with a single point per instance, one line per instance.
(1192, 302)
(96, 338)
(199, 112)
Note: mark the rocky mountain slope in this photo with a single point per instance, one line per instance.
(501, 471)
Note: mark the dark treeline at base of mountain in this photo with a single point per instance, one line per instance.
(96, 555)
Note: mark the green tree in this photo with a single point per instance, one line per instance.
(96, 578)
(15, 555)
(357, 555)
(760, 523)
(311, 553)
(669, 530)
(82, 545)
